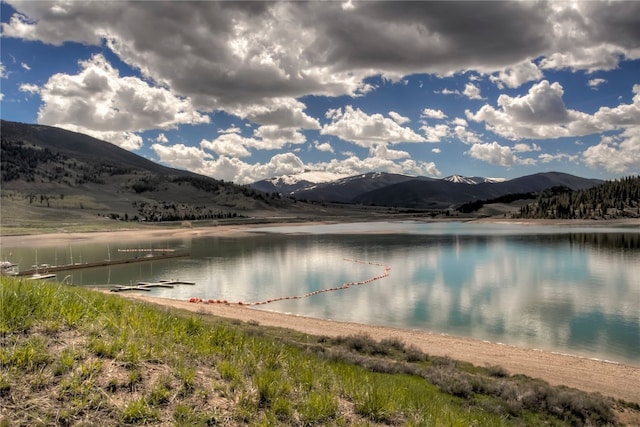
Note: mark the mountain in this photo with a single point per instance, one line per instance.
(343, 190)
(289, 184)
(440, 194)
(394, 190)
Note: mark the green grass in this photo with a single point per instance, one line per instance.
(71, 356)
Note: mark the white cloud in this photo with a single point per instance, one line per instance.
(365, 130)
(436, 133)
(382, 151)
(325, 146)
(595, 83)
(229, 144)
(458, 121)
(162, 139)
(436, 150)
(381, 158)
(465, 135)
(525, 148)
(3, 71)
(25, 66)
(233, 129)
(29, 88)
(471, 91)
(433, 114)
(282, 112)
(448, 92)
(548, 158)
(496, 154)
(542, 114)
(273, 137)
(399, 119)
(620, 154)
(98, 101)
(516, 75)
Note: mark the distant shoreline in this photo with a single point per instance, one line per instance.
(240, 230)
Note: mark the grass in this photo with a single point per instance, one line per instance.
(71, 356)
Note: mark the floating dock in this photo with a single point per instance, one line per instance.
(146, 286)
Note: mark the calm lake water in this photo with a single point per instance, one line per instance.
(567, 289)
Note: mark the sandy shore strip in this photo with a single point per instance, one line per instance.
(610, 379)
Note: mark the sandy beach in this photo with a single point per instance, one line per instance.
(612, 379)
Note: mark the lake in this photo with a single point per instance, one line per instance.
(567, 289)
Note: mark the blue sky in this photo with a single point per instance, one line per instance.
(245, 91)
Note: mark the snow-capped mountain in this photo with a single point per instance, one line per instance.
(288, 184)
(459, 179)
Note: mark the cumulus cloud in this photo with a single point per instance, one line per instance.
(365, 130)
(618, 154)
(465, 135)
(435, 133)
(229, 144)
(325, 146)
(436, 150)
(548, 158)
(161, 138)
(233, 129)
(29, 88)
(448, 92)
(433, 114)
(3, 71)
(472, 91)
(100, 102)
(595, 83)
(25, 66)
(542, 114)
(496, 154)
(525, 148)
(234, 54)
(230, 168)
(399, 119)
(516, 75)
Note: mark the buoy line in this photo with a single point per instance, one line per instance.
(344, 286)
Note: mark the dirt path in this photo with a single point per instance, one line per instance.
(610, 379)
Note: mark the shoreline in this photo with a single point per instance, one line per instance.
(593, 375)
(611, 379)
(244, 230)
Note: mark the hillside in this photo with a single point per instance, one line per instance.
(54, 175)
(612, 199)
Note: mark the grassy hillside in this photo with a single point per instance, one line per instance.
(71, 356)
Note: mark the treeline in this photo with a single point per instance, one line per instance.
(612, 199)
(168, 211)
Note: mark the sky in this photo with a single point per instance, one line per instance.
(243, 91)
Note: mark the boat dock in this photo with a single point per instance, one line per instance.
(146, 286)
(55, 268)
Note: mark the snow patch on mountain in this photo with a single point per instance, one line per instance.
(459, 179)
(312, 176)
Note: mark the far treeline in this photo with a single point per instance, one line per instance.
(612, 199)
